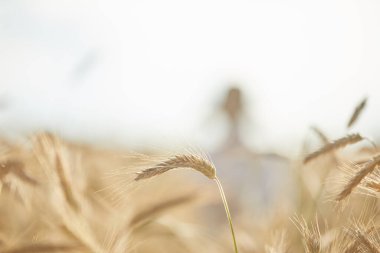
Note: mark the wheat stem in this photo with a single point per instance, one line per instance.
(223, 196)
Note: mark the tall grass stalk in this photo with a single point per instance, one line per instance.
(223, 196)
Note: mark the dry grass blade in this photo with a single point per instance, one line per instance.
(159, 208)
(366, 169)
(180, 161)
(339, 143)
(358, 109)
(36, 248)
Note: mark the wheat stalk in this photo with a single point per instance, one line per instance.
(320, 134)
(339, 143)
(197, 163)
(227, 212)
(159, 208)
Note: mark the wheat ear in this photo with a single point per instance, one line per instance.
(366, 169)
(197, 163)
(180, 161)
(364, 239)
(358, 110)
(339, 143)
(311, 234)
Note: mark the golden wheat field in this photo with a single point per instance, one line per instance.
(202, 126)
(58, 196)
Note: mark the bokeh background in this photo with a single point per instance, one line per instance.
(93, 92)
(156, 73)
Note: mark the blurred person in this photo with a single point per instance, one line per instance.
(255, 182)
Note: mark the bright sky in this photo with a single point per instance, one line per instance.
(151, 71)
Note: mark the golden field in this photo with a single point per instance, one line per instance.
(58, 196)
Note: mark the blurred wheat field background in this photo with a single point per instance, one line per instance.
(201, 126)
(58, 196)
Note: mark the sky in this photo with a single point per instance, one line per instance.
(150, 72)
